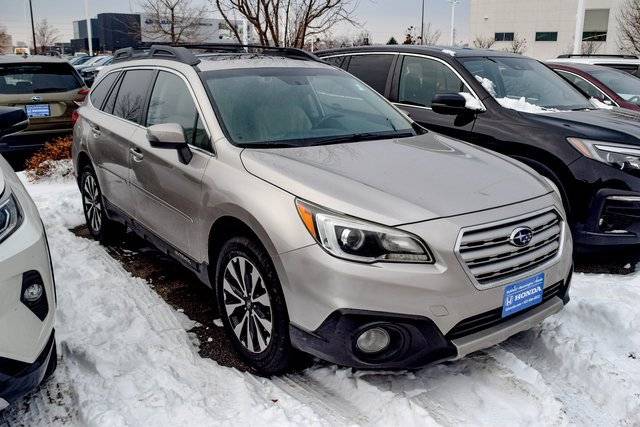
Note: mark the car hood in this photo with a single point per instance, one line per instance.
(399, 181)
(614, 125)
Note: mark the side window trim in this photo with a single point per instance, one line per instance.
(109, 89)
(210, 150)
(396, 80)
(590, 84)
(114, 91)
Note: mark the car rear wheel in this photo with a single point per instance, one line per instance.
(252, 306)
(99, 224)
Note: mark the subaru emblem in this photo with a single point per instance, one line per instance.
(521, 236)
(36, 98)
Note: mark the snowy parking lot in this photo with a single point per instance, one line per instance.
(127, 358)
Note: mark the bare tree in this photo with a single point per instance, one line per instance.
(591, 47)
(175, 21)
(481, 42)
(46, 35)
(5, 40)
(289, 22)
(431, 36)
(629, 26)
(518, 45)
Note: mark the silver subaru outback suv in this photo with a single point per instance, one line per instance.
(326, 221)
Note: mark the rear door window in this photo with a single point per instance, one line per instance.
(421, 79)
(372, 69)
(29, 78)
(132, 93)
(100, 91)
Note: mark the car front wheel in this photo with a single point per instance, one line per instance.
(252, 306)
(100, 226)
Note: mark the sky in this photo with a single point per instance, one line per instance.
(382, 18)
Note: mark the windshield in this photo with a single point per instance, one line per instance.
(622, 83)
(269, 107)
(525, 84)
(37, 78)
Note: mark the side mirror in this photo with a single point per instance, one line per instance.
(171, 136)
(453, 104)
(12, 120)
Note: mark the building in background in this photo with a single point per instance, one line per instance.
(110, 31)
(209, 30)
(547, 25)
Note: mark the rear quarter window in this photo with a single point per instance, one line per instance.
(38, 78)
(101, 90)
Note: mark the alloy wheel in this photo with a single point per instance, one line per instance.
(247, 304)
(92, 203)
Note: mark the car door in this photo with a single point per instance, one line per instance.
(111, 130)
(417, 80)
(167, 192)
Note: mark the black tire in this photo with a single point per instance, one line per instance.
(100, 226)
(53, 363)
(270, 353)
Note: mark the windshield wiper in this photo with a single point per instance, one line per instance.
(357, 137)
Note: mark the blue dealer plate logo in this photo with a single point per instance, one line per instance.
(522, 295)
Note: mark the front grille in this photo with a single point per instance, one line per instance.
(494, 317)
(490, 257)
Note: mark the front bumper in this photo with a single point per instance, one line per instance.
(19, 378)
(436, 298)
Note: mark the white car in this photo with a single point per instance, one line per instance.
(27, 290)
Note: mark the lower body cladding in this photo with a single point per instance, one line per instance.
(27, 307)
(403, 316)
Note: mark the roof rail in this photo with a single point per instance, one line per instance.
(289, 52)
(175, 53)
(595, 55)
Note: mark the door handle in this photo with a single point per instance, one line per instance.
(136, 154)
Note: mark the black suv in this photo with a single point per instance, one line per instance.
(518, 106)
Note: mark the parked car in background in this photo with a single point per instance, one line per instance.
(519, 107)
(627, 63)
(27, 291)
(89, 73)
(609, 85)
(93, 62)
(79, 60)
(48, 88)
(325, 220)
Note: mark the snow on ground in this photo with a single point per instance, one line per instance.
(126, 360)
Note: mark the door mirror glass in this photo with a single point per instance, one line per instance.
(171, 136)
(449, 104)
(12, 120)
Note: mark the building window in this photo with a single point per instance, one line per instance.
(547, 36)
(594, 36)
(504, 37)
(596, 25)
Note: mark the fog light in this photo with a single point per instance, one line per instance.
(33, 292)
(373, 340)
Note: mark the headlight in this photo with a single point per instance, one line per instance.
(10, 215)
(623, 157)
(357, 240)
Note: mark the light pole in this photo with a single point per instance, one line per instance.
(577, 37)
(422, 25)
(88, 20)
(453, 4)
(33, 30)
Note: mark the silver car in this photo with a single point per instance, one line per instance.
(326, 220)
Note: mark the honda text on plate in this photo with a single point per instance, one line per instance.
(326, 221)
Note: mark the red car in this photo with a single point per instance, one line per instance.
(613, 87)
